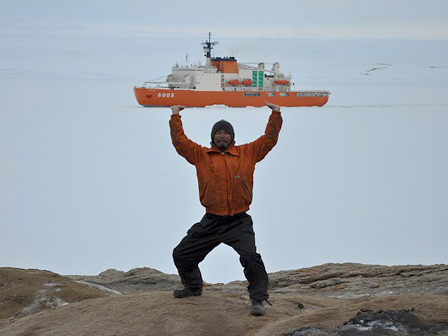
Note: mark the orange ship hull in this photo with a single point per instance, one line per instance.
(154, 97)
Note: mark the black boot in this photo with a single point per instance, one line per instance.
(258, 308)
(186, 292)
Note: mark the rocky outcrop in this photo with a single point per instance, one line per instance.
(332, 299)
(348, 280)
(380, 323)
(136, 280)
(25, 292)
(351, 280)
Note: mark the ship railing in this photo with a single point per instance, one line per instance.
(242, 88)
(250, 67)
(155, 82)
(313, 93)
(162, 84)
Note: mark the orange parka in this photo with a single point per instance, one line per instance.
(225, 178)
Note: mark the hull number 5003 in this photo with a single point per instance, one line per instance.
(166, 95)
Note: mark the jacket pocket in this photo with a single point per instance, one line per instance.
(203, 192)
(211, 195)
(242, 192)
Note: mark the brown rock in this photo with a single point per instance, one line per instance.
(24, 292)
(224, 309)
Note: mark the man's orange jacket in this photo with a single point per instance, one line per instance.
(225, 178)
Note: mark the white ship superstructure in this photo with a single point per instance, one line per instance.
(224, 81)
(225, 74)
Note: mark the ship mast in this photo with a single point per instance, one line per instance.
(208, 46)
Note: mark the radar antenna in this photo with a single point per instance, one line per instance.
(208, 46)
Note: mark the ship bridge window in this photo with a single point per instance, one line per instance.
(283, 94)
(251, 94)
(271, 94)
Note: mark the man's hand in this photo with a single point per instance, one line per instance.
(177, 108)
(273, 107)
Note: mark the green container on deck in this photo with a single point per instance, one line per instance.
(257, 78)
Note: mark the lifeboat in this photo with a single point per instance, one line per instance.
(234, 82)
(282, 81)
(247, 82)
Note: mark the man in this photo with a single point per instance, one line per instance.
(225, 177)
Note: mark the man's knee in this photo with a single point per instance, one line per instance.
(177, 256)
(185, 261)
(249, 259)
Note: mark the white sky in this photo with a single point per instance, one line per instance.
(392, 19)
(90, 181)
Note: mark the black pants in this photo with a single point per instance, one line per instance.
(235, 231)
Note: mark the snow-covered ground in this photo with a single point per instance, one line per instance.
(90, 181)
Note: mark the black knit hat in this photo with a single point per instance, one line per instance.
(223, 125)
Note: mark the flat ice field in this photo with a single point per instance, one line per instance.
(89, 180)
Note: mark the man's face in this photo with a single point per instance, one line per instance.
(222, 139)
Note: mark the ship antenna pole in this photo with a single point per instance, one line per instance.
(208, 46)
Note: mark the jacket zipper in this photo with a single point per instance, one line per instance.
(227, 184)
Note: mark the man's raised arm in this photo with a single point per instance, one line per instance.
(259, 148)
(184, 146)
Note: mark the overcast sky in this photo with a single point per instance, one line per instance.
(89, 180)
(392, 19)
